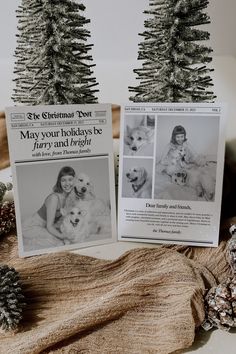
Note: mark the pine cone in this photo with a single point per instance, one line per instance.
(7, 217)
(3, 190)
(9, 186)
(231, 251)
(220, 301)
(11, 298)
(220, 306)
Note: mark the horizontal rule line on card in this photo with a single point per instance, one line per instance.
(165, 239)
(60, 124)
(176, 107)
(64, 158)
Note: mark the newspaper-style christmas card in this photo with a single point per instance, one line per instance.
(63, 176)
(171, 173)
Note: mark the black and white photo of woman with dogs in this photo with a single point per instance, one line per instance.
(64, 204)
(186, 157)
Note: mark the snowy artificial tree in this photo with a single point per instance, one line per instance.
(174, 59)
(25, 39)
(53, 64)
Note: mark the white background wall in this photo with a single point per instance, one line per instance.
(116, 23)
(114, 27)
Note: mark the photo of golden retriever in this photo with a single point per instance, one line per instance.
(140, 182)
(199, 179)
(75, 224)
(83, 190)
(98, 210)
(139, 137)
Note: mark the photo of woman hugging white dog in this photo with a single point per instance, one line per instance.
(184, 170)
(179, 154)
(76, 210)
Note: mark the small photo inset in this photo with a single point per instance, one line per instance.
(139, 135)
(137, 178)
(186, 158)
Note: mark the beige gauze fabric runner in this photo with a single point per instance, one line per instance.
(146, 301)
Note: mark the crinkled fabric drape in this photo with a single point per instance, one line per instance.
(146, 301)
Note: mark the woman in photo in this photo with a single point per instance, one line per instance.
(39, 231)
(179, 154)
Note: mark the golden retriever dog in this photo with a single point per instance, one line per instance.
(98, 216)
(138, 137)
(140, 182)
(74, 224)
(176, 160)
(199, 179)
(83, 190)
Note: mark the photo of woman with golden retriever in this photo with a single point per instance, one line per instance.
(186, 171)
(66, 206)
(179, 153)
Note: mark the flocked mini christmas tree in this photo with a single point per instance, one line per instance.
(175, 65)
(53, 64)
(26, 38)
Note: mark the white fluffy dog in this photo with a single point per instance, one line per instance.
(98, 211)
(138, 137)
(176, 160)
(140, 182)
(83, 190)
(199, 179)
(74, 224)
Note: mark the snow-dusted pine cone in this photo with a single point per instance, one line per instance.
(3, 188)
(11, 298)
(220, 301)
(220, 306)
(7, 217)
(231, 251)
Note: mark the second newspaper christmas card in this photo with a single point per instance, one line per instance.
(171, 173)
